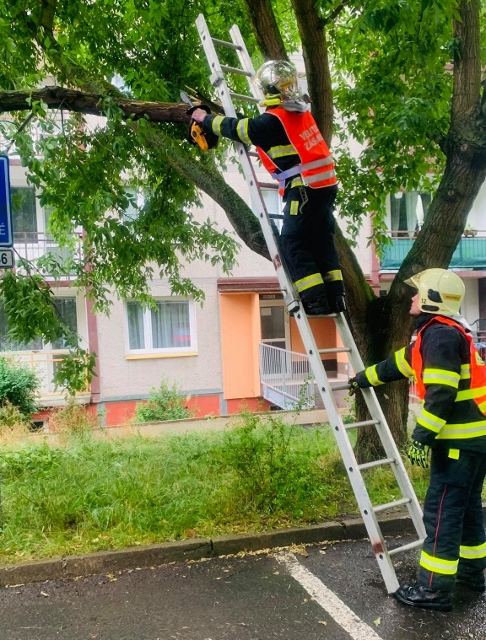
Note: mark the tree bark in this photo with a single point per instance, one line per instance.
(265, 28)
(92, 104)
(314, 48)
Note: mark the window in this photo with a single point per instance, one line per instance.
(273, 203)
(66, 307)
(7, 344)
(24, 215)
(132, 212)
(168, 328)
(407, 212)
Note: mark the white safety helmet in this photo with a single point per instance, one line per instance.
(278, 81)
(440, 291)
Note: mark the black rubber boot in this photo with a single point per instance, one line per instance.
(420, 596)
(317, 307)
(338, 304)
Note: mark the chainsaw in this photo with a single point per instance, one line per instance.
(205, 140)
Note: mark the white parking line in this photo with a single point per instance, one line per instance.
(335, 607)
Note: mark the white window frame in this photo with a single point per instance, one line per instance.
(151, 351)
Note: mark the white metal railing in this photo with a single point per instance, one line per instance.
(286, 377)
(45, 364)
(32, 245)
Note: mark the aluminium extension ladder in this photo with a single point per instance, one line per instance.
(294, 305)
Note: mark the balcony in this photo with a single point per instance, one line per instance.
(32, 245)
(45, 364)
(469, 254)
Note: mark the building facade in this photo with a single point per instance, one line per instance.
(212, 351)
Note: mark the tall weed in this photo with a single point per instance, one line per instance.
(72, 421)
(14, 425)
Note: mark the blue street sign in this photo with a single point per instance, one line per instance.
(6, 231)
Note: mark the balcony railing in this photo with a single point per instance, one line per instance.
(469, 254)
(45, 364)
(32, 245)
(286, 378)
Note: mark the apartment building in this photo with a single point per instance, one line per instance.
(226, 354)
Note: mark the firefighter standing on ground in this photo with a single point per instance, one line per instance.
(294, 152)
(451, 381)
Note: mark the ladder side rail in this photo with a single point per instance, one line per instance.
(247, 64)
(347, 453)
(286, 285)
(383, 430)
(221, 86)
(217, 75)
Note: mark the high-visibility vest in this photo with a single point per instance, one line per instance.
(477, 390)
(316, 164)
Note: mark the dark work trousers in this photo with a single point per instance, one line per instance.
(307, 238)
(453, 518)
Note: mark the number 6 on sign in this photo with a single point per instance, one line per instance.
(6, 259)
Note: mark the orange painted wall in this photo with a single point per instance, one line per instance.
(240, 337)
(255, 405)
(201, 406)
(119, 412)
(324, 330)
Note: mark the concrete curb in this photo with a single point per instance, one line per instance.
(195, 549)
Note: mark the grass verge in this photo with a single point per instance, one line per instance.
(89, 495)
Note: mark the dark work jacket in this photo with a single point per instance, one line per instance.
(444, 350)
(265, 131)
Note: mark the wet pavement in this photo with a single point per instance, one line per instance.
(250, 597)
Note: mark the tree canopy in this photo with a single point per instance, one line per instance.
(401, 79)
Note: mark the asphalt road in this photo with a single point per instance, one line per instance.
(334, 593)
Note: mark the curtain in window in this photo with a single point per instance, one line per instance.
(136, 338)
(170, 325)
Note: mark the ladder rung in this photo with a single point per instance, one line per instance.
(268, 185)
(406, 547)
(364, 423)
(275, 216)
(335, 350)
(376, 463)
(390, 505)
(240, 96)
(253, 154)
(325, 315)
(340, 387)
(240, 72)
(230, 45)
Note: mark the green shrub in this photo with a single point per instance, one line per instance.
(273, 470)
(165, 403)
(18, 385)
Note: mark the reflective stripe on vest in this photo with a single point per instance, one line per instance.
(316, 163)
(476, 370)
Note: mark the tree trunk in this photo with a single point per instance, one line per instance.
(265, 28)
(314, 48)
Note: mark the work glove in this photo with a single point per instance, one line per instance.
(353, 386)
(205, 140)
(418, 454)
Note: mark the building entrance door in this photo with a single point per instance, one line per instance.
(274, 321)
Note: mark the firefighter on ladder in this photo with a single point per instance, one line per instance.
(293, 150)
(451, 381)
